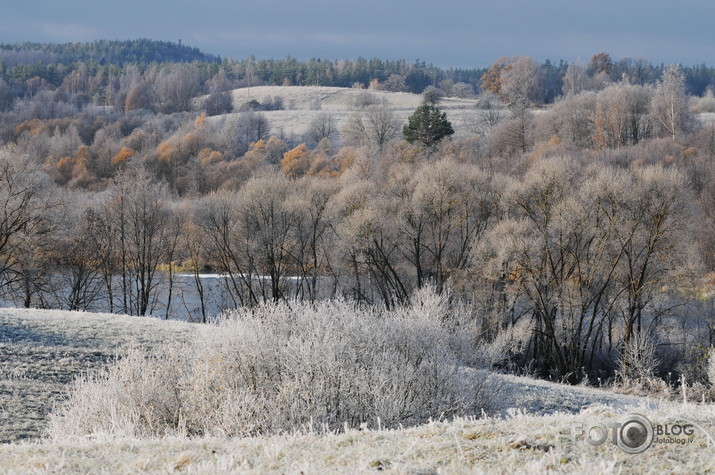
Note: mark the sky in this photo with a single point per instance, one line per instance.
(446, 33)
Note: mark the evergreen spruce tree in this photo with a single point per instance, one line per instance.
(427, 125)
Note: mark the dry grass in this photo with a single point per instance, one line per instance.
(42, 351)
(520, 443)
(45, 349)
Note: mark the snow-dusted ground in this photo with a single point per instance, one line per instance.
(337, 98)
(41, 352)
(303, 103)
(537, 396)
(520, 443)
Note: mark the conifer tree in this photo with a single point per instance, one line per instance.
(427, 125)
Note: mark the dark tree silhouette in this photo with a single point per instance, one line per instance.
(427, 125)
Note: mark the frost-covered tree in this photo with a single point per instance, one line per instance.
(522, 81)
(141, 216)
(374, 127)
(28, 205)
(323, 126)
(670, 112)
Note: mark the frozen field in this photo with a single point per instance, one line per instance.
(42, 351)
(302, 104)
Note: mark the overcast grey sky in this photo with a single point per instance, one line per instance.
(457, 33)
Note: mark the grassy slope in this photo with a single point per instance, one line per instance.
(43, 350)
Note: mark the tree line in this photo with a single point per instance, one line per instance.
(95, 69)
(573, 251)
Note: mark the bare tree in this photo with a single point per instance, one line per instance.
(194, 243)
(522, 81)
(268, 222)
(576, 79)
(571, 119)
(489, 112)
(584, 247)
(323, 126)
(312, 233)
(368, 244)
(176, 87)
(226, 244)
(551, 251)
(219, 100)
(249, 234)
(433, 95)
(375, 127)
(513, 136)
(104, 233)
(444, 211)
(462, 90)
(651, 232)
(79, 253)
(250, 127)
(396, 83)
(621, 115)
(141, 216)
(670, 110)
(28, 203)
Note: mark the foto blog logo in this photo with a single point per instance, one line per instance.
(635, 433)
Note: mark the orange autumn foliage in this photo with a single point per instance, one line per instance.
(296, 162)
(120, 159)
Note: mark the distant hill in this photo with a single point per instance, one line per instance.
(102, 52)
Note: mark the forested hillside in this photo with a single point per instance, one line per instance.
(99, 61)
(101, 52)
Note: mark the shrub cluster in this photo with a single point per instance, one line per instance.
(288, 366)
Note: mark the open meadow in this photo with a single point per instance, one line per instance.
(526, 424)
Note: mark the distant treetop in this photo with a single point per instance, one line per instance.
(105, 52)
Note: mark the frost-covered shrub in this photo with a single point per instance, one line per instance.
(638, 360)
(637, 365)
(284, 366)
(138, 394)
(705, 103)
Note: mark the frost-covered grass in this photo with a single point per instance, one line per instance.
(519, 443)
(303, 103)
(530, 427)
(42, 351)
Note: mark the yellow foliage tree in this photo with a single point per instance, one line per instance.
(166, 151)
(81, 175)
(64, 167)
(200, 120)
(208, 156)
(491, 80)
(296, 162)
(120, 159)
